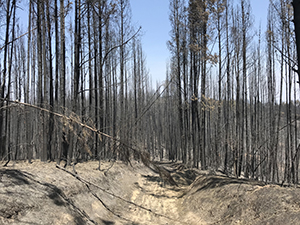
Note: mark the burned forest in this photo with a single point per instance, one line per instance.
(75, 87)
(89, 136)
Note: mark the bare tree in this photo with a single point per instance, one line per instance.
(296, 5)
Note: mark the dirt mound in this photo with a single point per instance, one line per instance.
(225, 200)
(41, 193)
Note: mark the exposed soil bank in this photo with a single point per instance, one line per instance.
(41, 193)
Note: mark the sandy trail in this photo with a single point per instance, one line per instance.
(165, 201)
(40, 193)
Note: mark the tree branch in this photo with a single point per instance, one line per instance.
(87, 183)
(113, 48)
(17, 38)
(118, 46)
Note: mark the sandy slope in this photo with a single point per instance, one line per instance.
(40, 193)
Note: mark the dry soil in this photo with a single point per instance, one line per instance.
(42, 193)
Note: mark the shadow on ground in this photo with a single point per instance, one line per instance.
(212, 181)
(16, 177)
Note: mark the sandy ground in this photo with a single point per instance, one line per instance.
(41, 193)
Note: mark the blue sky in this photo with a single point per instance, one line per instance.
(153, 16)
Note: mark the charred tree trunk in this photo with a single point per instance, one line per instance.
(296, 5)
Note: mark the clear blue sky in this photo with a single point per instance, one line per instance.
(153, 16)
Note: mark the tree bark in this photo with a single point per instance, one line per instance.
(296, 5)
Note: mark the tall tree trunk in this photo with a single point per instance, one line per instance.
(27, 93)
(57, 57)
(296, 5)
(203, 86)
(226, 118)
(63, 133)
(40, 67)
(3, 136)
(62, 57)
(90, 58)
(45, 82)
(77, 43)
(8, 117)
(96, 62)
(101, 85)
(219, 132)
(50, 151)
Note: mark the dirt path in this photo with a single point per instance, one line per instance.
(165, 201)
(40, 193)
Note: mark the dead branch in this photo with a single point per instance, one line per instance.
(105, 206)
(60, 116)
(87, 183)
(62, 196)
(164, 174)
(16, 38)
(112, 49)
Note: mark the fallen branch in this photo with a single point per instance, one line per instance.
(145, 156)
(87, 183)
(62, 195)
(59, 115)
(105, 206)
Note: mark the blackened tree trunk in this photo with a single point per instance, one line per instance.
(50, 153)
(45, 83)
(296, 5)
(27, 98)
(77, 38)
(8, 112)
(176, 23)
(101, 83)
(228, 95)
(62, 56)
(63, 147)
(40, 68)
(219, 137)
(3, 80)
(194, 79)
(56, 53)
(204, 41)
(96, 62)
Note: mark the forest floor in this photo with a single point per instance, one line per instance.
(42, 193)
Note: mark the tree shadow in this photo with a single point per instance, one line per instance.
(150, 178)
(79, 220)
(53, 192)
(206, 182)
(107, 222)
(16, 177)
(157, 180)
(185, 177)
(56, 195)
